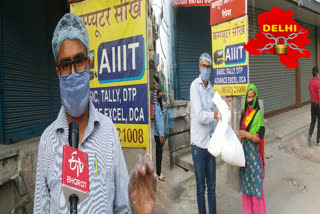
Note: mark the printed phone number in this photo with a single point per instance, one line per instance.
(130, 135)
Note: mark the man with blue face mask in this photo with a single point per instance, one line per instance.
(202, 127)
(110, 189)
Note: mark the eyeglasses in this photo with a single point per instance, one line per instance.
(205, 66)
(80, 64)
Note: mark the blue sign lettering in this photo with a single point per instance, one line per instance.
(230, 75)
(122, 104)
(121, 60)
(235, 54)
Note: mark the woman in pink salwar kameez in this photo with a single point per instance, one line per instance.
(251, 134)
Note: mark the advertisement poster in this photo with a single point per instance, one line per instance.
(230, 59)
(224, 10)
(118, 76)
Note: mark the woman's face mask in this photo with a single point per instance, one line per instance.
(250, 98)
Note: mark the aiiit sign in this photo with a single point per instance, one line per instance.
(121, 60)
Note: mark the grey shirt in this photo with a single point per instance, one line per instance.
(108, 190)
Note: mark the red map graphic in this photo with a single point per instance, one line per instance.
(278, 27)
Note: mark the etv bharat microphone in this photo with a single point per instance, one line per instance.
(75, 171)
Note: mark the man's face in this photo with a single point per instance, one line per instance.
(160, 94)
(71, 49)
(204, 64)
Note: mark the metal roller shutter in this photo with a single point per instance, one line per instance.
(193, 37)
(306, 65)
(276, 85)
(318, 43)
(31, 99)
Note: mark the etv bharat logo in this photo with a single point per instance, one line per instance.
(76, 164)
(280, 34)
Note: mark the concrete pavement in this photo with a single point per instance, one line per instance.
(288, 125)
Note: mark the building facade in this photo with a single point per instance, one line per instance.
(280, 88)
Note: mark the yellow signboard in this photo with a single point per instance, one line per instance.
(118, 76)
(230, 59)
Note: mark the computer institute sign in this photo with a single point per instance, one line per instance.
(230, 59)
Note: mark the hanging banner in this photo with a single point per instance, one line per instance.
(118, 76)
(230, 59)
(187, 3)
(224, 10)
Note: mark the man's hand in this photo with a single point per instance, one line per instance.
(215, 114)
(219, 117)
(161, 139)
(142, 186)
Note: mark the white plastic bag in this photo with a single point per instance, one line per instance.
(215, 144)
(224, 141)
(223, 108)
(232, 150)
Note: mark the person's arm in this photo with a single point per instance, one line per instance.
(159, 126)
(254, 137)
(121, 179)
(318, 90)
(204, 117)
(310, 93)
(41, 195)
(244, 134)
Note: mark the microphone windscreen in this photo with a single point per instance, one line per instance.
(74, 135)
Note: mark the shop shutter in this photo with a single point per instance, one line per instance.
(193, 37)
(306, 65)
(31, 96)
(318, 43)
(276, 85)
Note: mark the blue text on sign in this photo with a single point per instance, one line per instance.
(235, 54)
(121, 60)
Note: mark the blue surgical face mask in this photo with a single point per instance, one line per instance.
(205, 74)
(75, 92)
